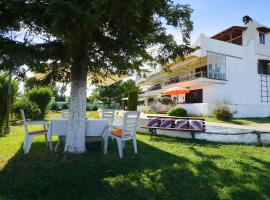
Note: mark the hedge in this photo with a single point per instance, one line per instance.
(42, 97)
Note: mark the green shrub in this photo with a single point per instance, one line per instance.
(132, 100)
(3, 96)
(65, 106)
(55, 106)
(94, 108)
(31, 109)
(222, 113)
(88, 107)
(42, 97)
(179, 112)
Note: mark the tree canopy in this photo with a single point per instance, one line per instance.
(69, 39)
(104, 37)
(115, 92)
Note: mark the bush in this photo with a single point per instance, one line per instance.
(3, 96)
(88, 108)
(55, 107)
(179, 112)
(222, 113)
(132, 100)
(42, 97)
(31, 109)
(94, 108)
(65, 106)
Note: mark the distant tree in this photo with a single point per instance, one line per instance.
(98, 38)
(127, 86)
(93, 97)
(109, 94)
(58, 90)
(32, 82)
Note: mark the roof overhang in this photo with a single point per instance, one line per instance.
(263, 29)
(229, 33)
(192, 61)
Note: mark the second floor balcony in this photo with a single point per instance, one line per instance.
(202, 74)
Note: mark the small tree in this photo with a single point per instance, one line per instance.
(132, 100)
(3, 97)
(42, 97)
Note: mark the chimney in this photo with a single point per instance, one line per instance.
(247, 19)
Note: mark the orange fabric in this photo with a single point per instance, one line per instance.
(174, 92)
(117, 132)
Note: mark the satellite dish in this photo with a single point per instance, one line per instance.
(246, 19)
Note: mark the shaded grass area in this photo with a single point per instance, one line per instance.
(165, 168)
(242, 121)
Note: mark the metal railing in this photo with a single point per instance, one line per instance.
(189, 77)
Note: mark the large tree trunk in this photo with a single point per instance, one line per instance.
(75, 141)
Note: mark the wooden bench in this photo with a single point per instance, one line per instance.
(188, 124)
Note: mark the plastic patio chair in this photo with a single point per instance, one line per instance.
(108, 114)
(124, 133)
(29, 136)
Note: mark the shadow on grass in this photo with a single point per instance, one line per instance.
(152, 174)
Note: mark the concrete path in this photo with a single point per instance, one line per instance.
(254, 126)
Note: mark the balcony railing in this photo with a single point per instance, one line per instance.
(210, 75)
(155, 87)
(189, 77)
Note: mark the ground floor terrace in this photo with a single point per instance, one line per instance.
(164, 168)
(204, 95)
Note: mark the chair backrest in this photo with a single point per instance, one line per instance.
(24, 121)
(108, 114)
(130, 123)
(65, 114)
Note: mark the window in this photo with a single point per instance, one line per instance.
(216, 66)
(194, 96)
(262, 38)
(264, 67)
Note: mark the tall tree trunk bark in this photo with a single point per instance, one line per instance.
(75, 141)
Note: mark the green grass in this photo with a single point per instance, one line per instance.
(54, 115)
(165, 168)
(242, 121)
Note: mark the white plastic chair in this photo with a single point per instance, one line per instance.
(108, 114)
(29, 136)
(130, 123)
(65, 113)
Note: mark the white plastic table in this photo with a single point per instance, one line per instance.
(94, 128)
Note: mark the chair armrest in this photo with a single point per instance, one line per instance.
(37, 123)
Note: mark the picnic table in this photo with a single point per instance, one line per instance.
(95, 129)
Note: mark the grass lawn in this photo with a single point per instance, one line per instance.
(242, 121)
(54, 115)
(165, 168)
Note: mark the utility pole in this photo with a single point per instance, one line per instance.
(7, 127)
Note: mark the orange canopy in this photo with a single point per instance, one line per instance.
(175, 91)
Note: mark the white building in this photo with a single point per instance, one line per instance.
(231, 66)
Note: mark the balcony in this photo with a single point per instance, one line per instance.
(155, 87)
(189, 77)
(214, 76)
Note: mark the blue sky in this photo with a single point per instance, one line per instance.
(213, 16)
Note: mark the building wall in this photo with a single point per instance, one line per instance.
(242, 89)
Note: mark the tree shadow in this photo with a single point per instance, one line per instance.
(152, 174)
